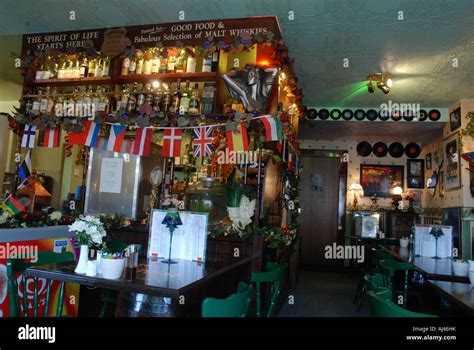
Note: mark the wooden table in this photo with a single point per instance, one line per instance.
(187, 280)
(432, 269)
(461, 294)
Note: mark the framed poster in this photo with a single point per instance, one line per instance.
(455, 119)
(452, 169)
(415, 173)
(380, 179)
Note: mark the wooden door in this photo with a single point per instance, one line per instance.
(319, 220)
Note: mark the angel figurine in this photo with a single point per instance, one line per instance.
(251, 86)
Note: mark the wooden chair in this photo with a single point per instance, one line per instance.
(275, 275)
(236, 305)
(15, 266)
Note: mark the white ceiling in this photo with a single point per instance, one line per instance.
(417, 51)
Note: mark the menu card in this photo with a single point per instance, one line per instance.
(425, 242)
(189, 239)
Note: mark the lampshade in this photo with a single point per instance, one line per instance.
(397, 191)
(172, 218)
(356, 187)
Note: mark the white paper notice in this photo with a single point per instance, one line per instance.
(427, 245)
(111, 175)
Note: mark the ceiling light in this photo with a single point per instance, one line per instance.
(382, 86)
(384, 82)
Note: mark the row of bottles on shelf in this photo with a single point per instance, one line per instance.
(173, 98)
(81, 101)
(151, 61)
(74, 66)
(168, 60)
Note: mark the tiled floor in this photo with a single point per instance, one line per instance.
(324, 294)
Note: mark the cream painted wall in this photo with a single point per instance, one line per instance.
(355, 161)
(6, 140)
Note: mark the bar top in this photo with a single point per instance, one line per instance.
(461, 294)
(34, 233)
(154, 277)
(434, 269)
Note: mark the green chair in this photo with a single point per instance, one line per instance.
(374, 283)
(389, 268)
(275, 274)
(236, 305)
(381, 305)
(16, 266)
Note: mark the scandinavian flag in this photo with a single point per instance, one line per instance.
(202, 141)
(142, 144)
(117, 134)
(172, 142)
(29, 136)
(87, 137)
(49, 138)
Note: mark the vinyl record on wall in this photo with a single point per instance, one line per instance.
(312, 114)
(347, 114)
(408, 115)
(359, 114)
(335, 114)
(434, 115)
(396, 150)
(384, 115)
(412, 150)
(380, 149)
(364, 149)
(371, 114)
(396, 116)
(422, 115)
(323, 114)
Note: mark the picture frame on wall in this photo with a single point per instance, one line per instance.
(452, 163)
(428, 161)
(415, 173)
(455, 119)
(381, 179)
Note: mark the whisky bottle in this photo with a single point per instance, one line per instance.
(185, 98)
(133, 65)
(157, 101)
(91, 72)
(84, 68)
(147, 65)
(191, 62)
(140, 61)
(155, 63)
(125, 66)
(44, 100)
(180, 62)
(207, 63)
(174, 108)
(98, 68)
(106, 67)
(194, 103)
(166, 100)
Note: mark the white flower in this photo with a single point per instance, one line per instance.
(4, 217)
(90, 226)
(55, 216)
(242, 215)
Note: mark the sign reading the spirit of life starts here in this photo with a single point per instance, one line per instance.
(189, 239)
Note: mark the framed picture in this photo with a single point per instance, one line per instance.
(455, 119)
(380, 179)
(415, 173)
(428, 161)
(452, 168)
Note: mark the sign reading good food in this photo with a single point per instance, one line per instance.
(113, 40)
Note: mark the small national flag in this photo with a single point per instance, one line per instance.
(29, 136)
(273, 131)
(172, 142)
(23, 184)
(117, 134)
(12, 205)
(24, 170)
(142, 144)
(202, 141)
(87, 137)
(292, 159)
(49, 138)
(237, 139)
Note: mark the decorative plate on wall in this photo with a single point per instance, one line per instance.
(412, 150)
(347, 114)
(396, 150)
(396, 116)
(422, 115)
(364, 149)
(312, 114)
(384, 115)
(323, 114)
(380, 149)
(434, 115)
(408, 115)
(371, 114)
(359, 114)
(335, 114)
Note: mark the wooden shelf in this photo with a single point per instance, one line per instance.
(74, 81)
(194, 77)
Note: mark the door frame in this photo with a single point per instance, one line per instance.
(343, 173)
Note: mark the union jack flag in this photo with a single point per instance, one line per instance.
(202, 141)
